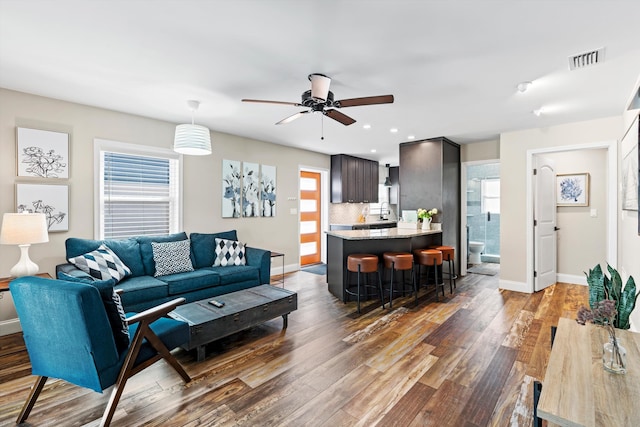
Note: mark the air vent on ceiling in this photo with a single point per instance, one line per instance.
(586, 59)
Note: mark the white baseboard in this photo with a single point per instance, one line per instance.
(276, 271)
(571, 278)
(10, 326)
(511, 285)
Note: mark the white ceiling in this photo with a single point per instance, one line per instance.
(453, 66)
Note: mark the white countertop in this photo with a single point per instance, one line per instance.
(384, 233)
(386, 221)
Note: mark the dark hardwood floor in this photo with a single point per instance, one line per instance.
(468, 360)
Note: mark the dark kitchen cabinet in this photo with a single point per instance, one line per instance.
(353, 179)
(430, 178)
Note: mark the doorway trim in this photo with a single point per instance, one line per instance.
(612, 199)
(463, 211)
(324, 209)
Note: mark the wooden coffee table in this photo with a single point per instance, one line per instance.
(242, 310)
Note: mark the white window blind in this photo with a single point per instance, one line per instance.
(490, 195)
(139, 194)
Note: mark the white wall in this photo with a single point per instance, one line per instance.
(580, 236)
(202, 178)
(513, 174)
(628, 238)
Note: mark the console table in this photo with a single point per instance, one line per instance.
(577, 391)
(4, 282)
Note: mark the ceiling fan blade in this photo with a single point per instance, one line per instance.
(340, 117)
(292, 118)
(295, 104)
(368, 100)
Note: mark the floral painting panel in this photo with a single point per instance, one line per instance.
(51, 200)
(268, 190)
(250, 190)
(572, 189)
(42, 153)
(231, 181)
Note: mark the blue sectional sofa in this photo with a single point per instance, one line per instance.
(142, 289)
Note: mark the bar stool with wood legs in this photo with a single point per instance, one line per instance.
(429, 258)
(449, 255)
(399, 261)
(366, 264)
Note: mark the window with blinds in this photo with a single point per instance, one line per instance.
(139, 194)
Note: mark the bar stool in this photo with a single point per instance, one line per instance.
(429, 258)
(449, 255)
(399, 261)
(362, 263)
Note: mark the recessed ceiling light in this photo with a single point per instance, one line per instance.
(373, 150)
(367, 126)
(393, 130)
(522, 87)
(411, 137)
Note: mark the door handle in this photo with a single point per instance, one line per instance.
(488, 216)
(556, 228)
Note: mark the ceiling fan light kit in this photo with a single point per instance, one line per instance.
(319, 87)
(320, 99)
(192, 139)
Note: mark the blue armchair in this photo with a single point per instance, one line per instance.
(68, 336)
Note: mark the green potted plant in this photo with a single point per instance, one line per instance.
(602, 288)
(611, 305)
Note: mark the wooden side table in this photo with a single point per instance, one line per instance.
(4, 282)
(276, 255)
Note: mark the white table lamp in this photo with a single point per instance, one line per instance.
(24, 229)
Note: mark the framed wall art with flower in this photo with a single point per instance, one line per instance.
(572, 189)
(42, 153)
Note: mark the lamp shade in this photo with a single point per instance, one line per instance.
(24, 229)
(192, 139)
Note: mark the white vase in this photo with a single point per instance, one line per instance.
(426, 224)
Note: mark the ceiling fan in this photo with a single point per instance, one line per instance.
(320, 99)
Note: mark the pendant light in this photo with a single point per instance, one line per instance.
(191, 139)
(387, 180)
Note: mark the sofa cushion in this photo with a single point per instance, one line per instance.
(147, 252)
(229, 252)
(203, 247)
(102, 264)
(237, 273)
(172, 257)
(128, 250)
(142, 289)
(180, 283)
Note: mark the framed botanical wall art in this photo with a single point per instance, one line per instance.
(49, 199)
(42, 153)
(231, 179)
(250, 189)
(572, 189)
(268, 190)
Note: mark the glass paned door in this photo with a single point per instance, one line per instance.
(309, 218)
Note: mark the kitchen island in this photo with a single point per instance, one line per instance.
(342, 243)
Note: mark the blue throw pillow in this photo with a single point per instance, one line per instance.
(112, 306)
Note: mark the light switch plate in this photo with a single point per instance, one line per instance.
(594, 213)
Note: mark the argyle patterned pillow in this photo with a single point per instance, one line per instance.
(229, 252)
(172, 257)
(102, 264)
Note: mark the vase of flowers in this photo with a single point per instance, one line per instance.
(426, 216)
(614, 355)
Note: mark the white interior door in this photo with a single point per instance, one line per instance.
(544, 214)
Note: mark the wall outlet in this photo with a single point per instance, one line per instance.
(293, 211)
